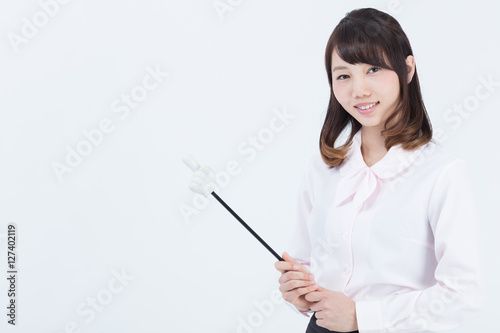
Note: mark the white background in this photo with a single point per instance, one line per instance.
(119, 210)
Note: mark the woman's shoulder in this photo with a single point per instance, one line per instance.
(438, 157)
(316, 164)
(317, 171)
(438, 163)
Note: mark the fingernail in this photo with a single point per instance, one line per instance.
(311, 277)
(311, 282)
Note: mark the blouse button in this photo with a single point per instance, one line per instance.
(346, 270)
(344, 234)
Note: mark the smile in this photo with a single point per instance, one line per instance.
(367, 108)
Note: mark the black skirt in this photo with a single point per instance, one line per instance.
(314, 328)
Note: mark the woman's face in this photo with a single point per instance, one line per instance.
(369, 93)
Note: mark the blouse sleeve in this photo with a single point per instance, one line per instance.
(458, 293)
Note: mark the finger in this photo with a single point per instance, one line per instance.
(321, 322)
(295, 275)
(317, 307)
(288, 258)
(294, 284)
(202, 188)
(297, 292)
(190, 162)
(207, 172)
(203, 181)
(206, 169)
(284, 266)
(318, 314)
(201, 177)
(288, 265)
(314, 296)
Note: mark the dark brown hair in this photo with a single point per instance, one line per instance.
(370, 36)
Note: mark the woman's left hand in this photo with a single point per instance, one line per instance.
(334, 310)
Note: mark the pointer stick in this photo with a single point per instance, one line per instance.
(190, 162)
(247, 227)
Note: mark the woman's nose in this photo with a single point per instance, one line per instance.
(360, 88)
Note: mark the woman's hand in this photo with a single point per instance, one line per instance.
(334, 310)
(295, 282)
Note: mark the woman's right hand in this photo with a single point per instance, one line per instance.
(295, 282)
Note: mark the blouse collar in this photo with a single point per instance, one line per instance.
(360, 181)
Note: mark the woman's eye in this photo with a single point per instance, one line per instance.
(374, 69)
(342, 77)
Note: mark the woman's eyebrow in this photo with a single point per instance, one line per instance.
(338, 68)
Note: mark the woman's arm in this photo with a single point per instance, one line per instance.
(300, 250)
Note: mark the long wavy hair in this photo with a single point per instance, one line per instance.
(370, 36)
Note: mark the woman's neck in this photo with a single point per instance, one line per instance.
(372, 145)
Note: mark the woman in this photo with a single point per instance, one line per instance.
(386, 239)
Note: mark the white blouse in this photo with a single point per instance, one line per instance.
(400, 238)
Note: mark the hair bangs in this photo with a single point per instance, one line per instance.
(356, 43)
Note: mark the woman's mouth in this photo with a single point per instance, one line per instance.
(366, 108)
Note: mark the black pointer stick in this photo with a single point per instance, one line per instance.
(270, 249)
(191, 163)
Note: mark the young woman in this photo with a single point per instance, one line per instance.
(386, 237)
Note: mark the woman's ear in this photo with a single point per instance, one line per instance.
(410, 64)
